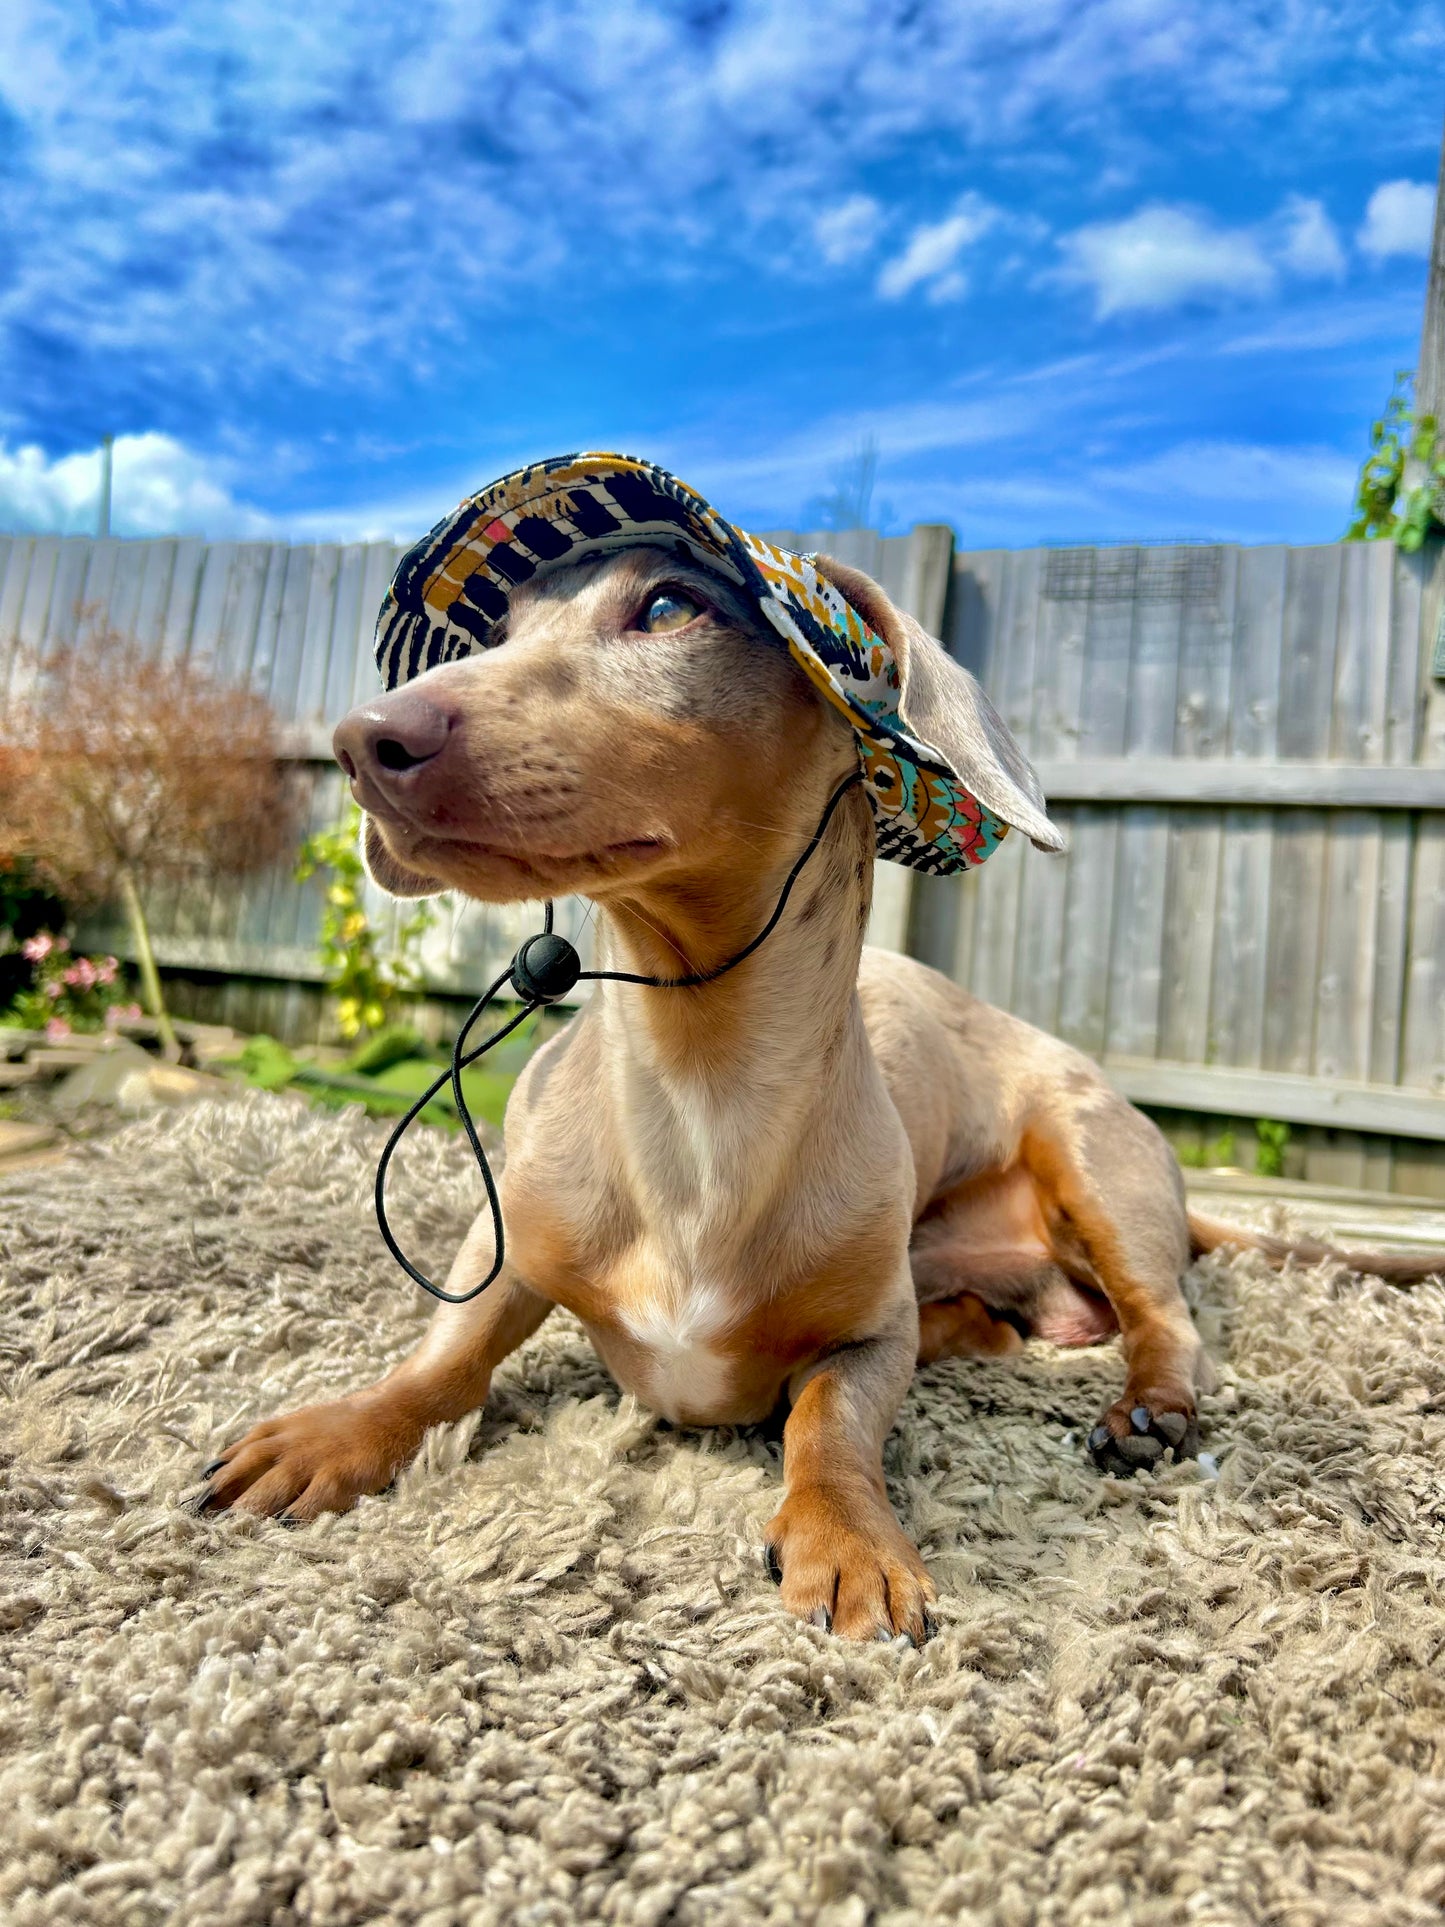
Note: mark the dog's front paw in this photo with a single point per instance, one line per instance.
(1139, 1430)
(320, 1459)
(851, 1571)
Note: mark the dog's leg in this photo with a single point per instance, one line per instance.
(1112, 1187)
(323, 1458)
(844, 1560)
(963, 1327)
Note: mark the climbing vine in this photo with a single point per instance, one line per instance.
(371, 982)
(1400, 496)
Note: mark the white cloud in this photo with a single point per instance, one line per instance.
(159, 487)
(931, 254)
(846, 231)
(1309, 243)
(1163, 256)
(1239, 472)
(1399, 219)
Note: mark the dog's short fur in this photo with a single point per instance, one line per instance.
(792, 1184)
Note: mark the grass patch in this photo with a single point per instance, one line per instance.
(387, 1075)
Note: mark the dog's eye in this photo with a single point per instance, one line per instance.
(672, 609)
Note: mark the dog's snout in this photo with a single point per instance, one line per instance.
(384, 739)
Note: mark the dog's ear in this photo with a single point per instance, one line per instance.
(944, 707)
(387, 873)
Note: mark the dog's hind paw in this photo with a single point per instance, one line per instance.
(1135, 1434)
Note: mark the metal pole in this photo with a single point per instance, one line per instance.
(1430, 378)
(1430, 400)
(102, 517)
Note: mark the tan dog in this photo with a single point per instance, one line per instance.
(797, 1182)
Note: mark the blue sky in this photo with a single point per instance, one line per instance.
(1079, 269)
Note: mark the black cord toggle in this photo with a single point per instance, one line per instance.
(545, 968)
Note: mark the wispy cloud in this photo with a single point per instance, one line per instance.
(1399, 218)
(931, 256)
(1308, 241)
(848, 229)
(1248, 473)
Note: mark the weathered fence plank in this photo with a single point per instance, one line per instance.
(1287, 747)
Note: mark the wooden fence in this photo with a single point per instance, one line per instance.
(1246, 747)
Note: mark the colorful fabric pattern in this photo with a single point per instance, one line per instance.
(450, 591)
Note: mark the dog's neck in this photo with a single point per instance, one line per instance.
(713, 1088)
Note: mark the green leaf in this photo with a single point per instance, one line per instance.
(267, 1064)
(394, 1045)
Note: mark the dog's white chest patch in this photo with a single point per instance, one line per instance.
(685, 1376)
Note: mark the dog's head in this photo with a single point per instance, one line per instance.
(629, 720)
(647, 712)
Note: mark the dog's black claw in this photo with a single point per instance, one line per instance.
(822, 1617)
(1152, 1434)
(210, 1471)
(930, 1627)
(771, 1565)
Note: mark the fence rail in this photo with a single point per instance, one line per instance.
(1245, 746)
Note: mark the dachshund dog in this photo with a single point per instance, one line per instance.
(786, 1187)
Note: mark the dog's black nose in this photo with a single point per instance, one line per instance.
(389, 736)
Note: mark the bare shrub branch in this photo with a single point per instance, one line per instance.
(119, 771)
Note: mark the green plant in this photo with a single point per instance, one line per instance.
(1271, 1140)
(1400, 496)
(266, 1064)
(1219, 1151)
(68, 993)
(27, 906)
(371, 984)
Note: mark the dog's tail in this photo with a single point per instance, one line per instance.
(1397, 1267)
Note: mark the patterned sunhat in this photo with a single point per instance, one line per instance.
(452, 588)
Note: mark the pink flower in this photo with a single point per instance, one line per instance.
(121, 1014)
(36, 949)
(54, 991)
(106, 973)
(57, 1030)
(82, 974)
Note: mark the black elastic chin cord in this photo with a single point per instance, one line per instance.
(545, 968)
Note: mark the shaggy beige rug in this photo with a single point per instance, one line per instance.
(545, 1679)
